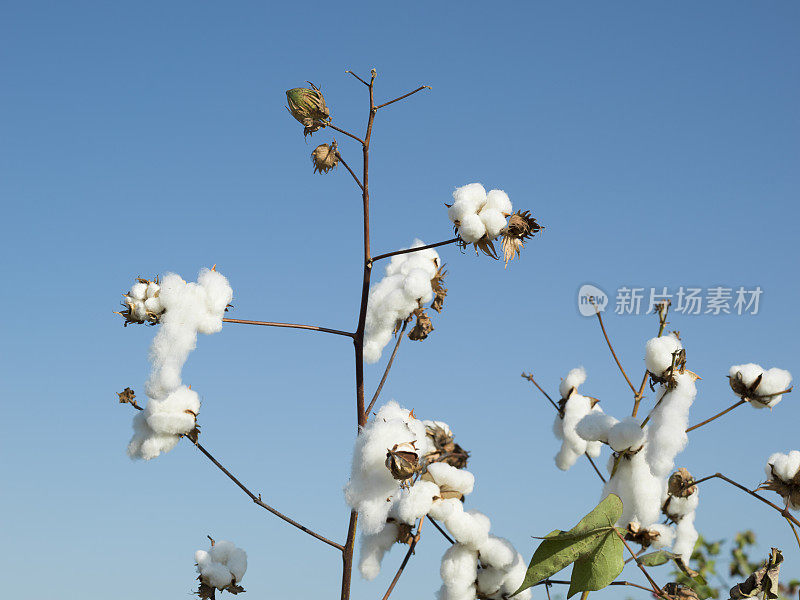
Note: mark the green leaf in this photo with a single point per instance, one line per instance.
(562, 548)
(600, 567)
(655, 559)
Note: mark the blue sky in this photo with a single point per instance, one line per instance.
(658, 144)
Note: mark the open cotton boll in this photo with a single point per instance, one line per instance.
(595, 426)
(373, 549)
(176, 414)
(574, 379)
(459, 567)
(450, 478)
(666, 535)
(493, 220)
(138, 290)
(471, 229)
(490, 581)
(415, 502)
(640, 491)
(784, 466)
(573, 445)
(626, 435)
(470, 528)
(497, 552)
(666, 435)
(685, 537)
(146, 443)
(679, 507)
(443, 508)
(772, 381)
(460, 593)
(658, 353)
(472, 195)
(499, 200)
(515, 575)
(222, 565)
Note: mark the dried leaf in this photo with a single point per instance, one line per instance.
(437, 284)
(762, 582)
(422, 327)
(206, 592)
(235, 589)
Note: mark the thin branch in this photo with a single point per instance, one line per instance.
(596, 470)
(658, 591)
(442, 531)
(530, 378)
(344, 131)
(420, 88)
(357, 77)
(388, 366)
(262, 504)
(716, 416)
(346, 166)
(416, 249)
(549, 582)
(411, 547)
(794, 531)
(291, 326)
(614, 354)
(783, 511)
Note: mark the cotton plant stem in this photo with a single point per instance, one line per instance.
(388, 367)
(257, 499)
(716, 416)
(347, 133)
(442, 531)
(585, 595)
(548, 582)
(419, 89)
(291, 326)
(357, 77)
(794, 531)
(783, 511)
(613, 353)
(529, 377)
(407, 557)
(346, 166)
(417, 249)
(656, 589)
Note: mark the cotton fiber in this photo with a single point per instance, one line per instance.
(765, 394)
(477, 214)
(222, 565)
(659, 353)
(666, 435)
(575, 408)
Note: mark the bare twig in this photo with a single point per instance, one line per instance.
(346, 166)
(530, 378)
(344, 131)
(262, 504)
(549, 582)
(420, 88)
(596, 470)
(388, 366)
(357, 77)
(614, 354)
(716, 416)
(411, 547)
(291, 326)
(442, 531)
(416, 249)
(794, 531)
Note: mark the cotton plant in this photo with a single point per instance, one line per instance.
(655, 505)
(221, 568)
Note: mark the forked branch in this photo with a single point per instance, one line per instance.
(419, 89)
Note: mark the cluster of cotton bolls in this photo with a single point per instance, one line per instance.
(760, 387)
(171, 411)
(783, 477)
(142, 302)
(643, 456)
(221, 566)
(574, 407)
(477, 214)
(405, 288)
(478, 562)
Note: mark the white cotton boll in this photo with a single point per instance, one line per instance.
(202, 558)
(497, 552)
(685, 537)
(658, 353)
(217, 575)
(748, 372)
(469, 198)
(146, 443)
(469, 592)
(666, 535)
(441, 509)
(448, 477)
(784, 466)
(493, 221)
(566, 457)
(139, 311)
(499, 200)
(640, 491)
(515, 575)
(152, 290)
(573, 445)
(138, 290)
(772, 381)
(490, 581)
(593, 449)
(679, 507)
(373, 549)
(173, 414)
(470, 528)
(595, 426)
(459, 567)
(574, 379)
(237, 563)
(471, 229)
(221, 551)
(416, 501)
(626, 435)
(372, 352)
(153, 305)
(666, 435)
(217, 290)
(417, 284)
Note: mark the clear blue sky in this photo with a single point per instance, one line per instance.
(659, 144)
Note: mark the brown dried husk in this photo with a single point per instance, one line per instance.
(680, 484)
(325, 157)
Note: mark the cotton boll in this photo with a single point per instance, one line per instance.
(679, 507)
(515, 575)
(658, 353)
(499, 200)
(442, 509)
(451, 478)
(574, 379)
(493, 221)
(459, 567)
(237, 563)
(152, 290)
(490, 581)
(470, 528)
(784, 466)
(573, 446)
(685, 537)
(497, 552)
(417, 284)
(472, 194)
(461, 593)
(153, 305)
(217, 575)
(221, 551)
(138, 290)
(640, 491)
(626, 435)
(471, 229)
(666, 435)
(748, 372)
(595, 426)
(373, 549)
(666, 535)
(372, 352)
(139, 311)
(217, 290)
(773, 381)
(416, 501)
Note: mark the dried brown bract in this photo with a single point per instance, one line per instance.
(437, 284)
(678, 591)
(402, 460)
(680, 484)
(307, 105)
(325, 157)
(521, 226)
(127, 396)
(764, 582)
(788, 490)
(422, 327)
